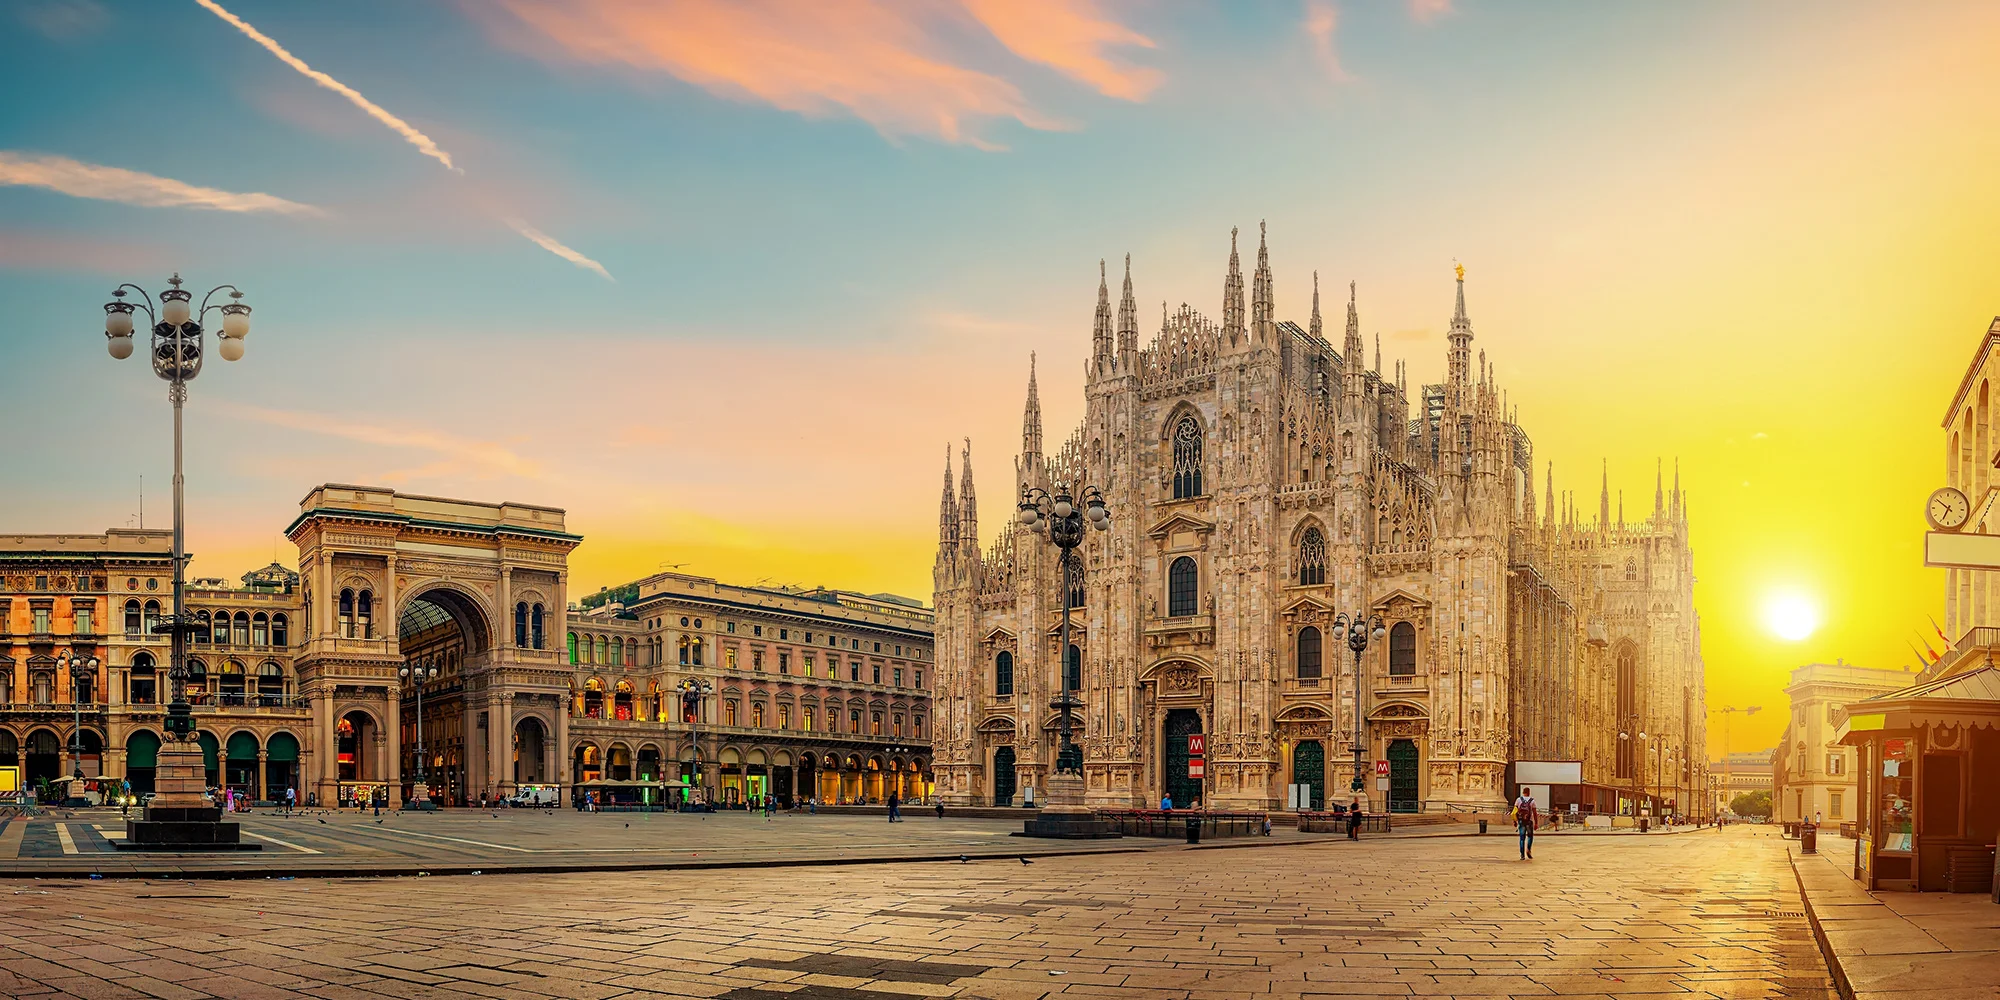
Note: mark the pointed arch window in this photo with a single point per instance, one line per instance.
(1073, 669)
(1187, 458)
(1308, 664)
(1003, 673)
(1076, 590)
(1183, 586)
(1312, 558)
(1402, 650)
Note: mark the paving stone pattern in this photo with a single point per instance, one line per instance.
(1706, 915)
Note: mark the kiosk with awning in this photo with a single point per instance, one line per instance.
(1929, 773)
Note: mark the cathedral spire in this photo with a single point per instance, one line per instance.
(1031, 421)
(1677, 487)
(1604, 500)
(1232, 295)
(968, 504)
(1260, 302)
(1315, 326)
(1128, 322)
(1352, 345)
(1659, 493)
(1460, 337)
(947, 508)
(1549, 517)
(1378, 352)
(1100, 328)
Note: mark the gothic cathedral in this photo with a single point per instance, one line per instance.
(1263, 484)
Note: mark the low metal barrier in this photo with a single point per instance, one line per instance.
(1173, 823)
(1332, 822)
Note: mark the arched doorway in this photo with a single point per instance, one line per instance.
(142, 755)
(446, 631)
(620, 761)
(239, 773)
(44, 758)
(808, 781)
(358, 771)
(1003, 776)
(1181, 723)
(781, 778)
(588, 766)
(1309, 769)
(281, 765)
(1403, 778)
(530, 752)
(10, 745)
(90, 751)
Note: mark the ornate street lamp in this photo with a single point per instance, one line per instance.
(1636, 756)
(416, 674)
(693, 690)
(78, 668)
(1360, 628)
(181, 814)
(1063, 518)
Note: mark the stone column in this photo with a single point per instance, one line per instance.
(259, 787)
(325, 751)
(500, 734)
(392, 765)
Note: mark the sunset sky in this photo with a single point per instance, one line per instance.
(724, 279)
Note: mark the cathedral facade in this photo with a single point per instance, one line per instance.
(1263, 482)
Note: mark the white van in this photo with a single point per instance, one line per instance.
(535, 797)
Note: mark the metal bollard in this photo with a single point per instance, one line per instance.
(1482, 826)
(1193, 830)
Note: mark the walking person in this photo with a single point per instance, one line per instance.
(1526, 817)
(894, 817)
(291, 800)
(1167, 802)
(1354, 820)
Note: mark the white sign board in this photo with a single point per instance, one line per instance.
(1381, 784)
(1950, 550)
(1548, 772)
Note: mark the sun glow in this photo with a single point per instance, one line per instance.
(1791, 617)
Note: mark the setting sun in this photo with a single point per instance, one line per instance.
(1791, 617)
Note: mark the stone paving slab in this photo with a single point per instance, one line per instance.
(1681, 917)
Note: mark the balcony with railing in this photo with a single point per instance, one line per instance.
(1977, 643)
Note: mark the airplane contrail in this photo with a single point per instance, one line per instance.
(374, 110)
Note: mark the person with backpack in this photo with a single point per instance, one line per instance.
(1526, 818)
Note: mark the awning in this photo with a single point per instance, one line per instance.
(1969, 699)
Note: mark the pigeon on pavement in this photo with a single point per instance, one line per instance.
(1025, 861)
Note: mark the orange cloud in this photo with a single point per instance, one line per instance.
(877, 59)
(1069, 36)
(1321, 20)
(1426, 11)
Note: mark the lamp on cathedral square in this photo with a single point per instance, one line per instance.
(1065, 815)
(417, 674)
(1361, 628)
(180, 816)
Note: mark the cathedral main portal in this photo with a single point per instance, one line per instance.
(1184, 790)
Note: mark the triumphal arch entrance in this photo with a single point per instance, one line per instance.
(451, 604)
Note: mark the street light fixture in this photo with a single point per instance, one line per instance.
(1062, 516)
(1360, 629)
(1059, 513)
(78, 667)
(416, 674)
(693, 690)
(181, 814)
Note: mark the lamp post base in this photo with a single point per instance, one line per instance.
(1065, 817)
(420, 798)
(181, 817)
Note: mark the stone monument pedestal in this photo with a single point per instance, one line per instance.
(181, 817)
(1065, 817)
(420, 798)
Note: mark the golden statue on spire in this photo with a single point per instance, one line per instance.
(1460, 268)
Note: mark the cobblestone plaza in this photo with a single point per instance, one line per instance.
(1702, 914)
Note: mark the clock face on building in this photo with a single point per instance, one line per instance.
(1948, 509)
